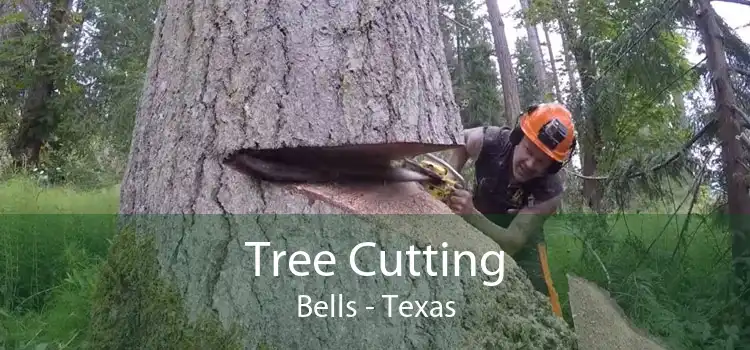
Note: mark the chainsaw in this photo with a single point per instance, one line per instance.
(331, 165)
(443, 178)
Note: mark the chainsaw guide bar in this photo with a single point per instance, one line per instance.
(319, 167)
(322, 170)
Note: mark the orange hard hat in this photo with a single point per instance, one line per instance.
(550, 127)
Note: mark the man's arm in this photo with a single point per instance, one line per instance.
(510, 240)
(528, 221)
(531, 219)
(473, 139)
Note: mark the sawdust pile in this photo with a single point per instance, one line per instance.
(600, 323)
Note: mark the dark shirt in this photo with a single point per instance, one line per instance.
(494, 194)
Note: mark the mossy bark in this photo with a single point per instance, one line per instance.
(134, 307)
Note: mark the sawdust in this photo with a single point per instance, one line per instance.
(377, 199)
(600, 323)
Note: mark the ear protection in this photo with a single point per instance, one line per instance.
(516, 135)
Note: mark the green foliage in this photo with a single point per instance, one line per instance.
(482, 106)
(116, 63)
(16, 54)
(669, 274)
(475, 79)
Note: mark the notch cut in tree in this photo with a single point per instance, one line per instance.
(348, 78)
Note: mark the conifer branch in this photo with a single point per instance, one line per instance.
(744, 72)
(706, 128)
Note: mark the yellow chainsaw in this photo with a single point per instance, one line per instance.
(443, 178)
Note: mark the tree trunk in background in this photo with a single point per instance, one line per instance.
(294, 74)
(589, 135)
(38, 119)
(508, 79)
(450, 58)
(570, 69)
(738, 201)
(574, 98)
(460, 70)
(536, 53)
(553, 64)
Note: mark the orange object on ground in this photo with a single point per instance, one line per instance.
(553, 298)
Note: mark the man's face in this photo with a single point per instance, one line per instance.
(529, 161)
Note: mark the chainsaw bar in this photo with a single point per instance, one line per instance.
(351, 171)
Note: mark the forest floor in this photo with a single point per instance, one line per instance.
(49, 265)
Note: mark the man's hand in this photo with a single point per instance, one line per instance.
(461, 202)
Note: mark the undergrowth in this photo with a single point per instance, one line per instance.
(51, 270)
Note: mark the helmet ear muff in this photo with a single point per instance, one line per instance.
(516, 135)
(556, 166)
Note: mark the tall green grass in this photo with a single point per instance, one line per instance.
(671, 277)
(49, 262)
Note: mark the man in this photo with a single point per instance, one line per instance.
(513, 165)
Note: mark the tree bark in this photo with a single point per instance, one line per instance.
(738, 205)
(236, 75)
(508, 79)
(369, 75)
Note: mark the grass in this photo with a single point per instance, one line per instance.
(49, 265)
(48, 262)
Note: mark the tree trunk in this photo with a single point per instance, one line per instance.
(38, 117)
(447, 42)
(569, 68)
(508, 79)
(540, 71)
(460, 70)
(294, 74)
(590, 135)
(553, 64)
(738, 206)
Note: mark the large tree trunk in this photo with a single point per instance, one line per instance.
(295, 74)
(511, 98)
(735, 173)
